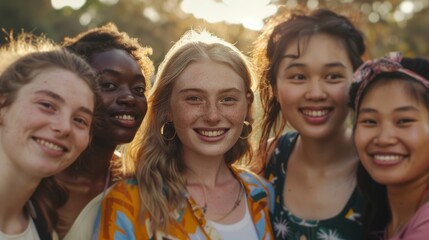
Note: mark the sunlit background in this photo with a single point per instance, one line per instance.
(388, 25)
(251, 13)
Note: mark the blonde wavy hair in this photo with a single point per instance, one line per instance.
(160, 165)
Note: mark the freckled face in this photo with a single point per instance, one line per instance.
(208, 106)
(313, 89)
(392, 134)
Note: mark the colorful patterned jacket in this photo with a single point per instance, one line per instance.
(118, 218)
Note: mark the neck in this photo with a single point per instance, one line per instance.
(96, 160)
(404, 201)
(13, 199)
(207, 171)
(326, 151)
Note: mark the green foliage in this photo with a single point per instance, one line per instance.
(38, 16)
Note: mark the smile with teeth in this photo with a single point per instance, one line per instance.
(211, 133)
(315, 113)
(387, 158)
(50, 145)
(125, 117)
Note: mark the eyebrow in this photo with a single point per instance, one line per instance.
(116, 73)
(330, 65)
(61, 99)
(203, 91)
(399, 109)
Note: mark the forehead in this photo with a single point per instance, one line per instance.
(389, 94)
(62, 82)
(114, 58)
(208, 75)
(318, 46)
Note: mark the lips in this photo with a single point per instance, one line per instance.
(128, 119)
(315, 112)
(125, 117)
(387, 159)
(211, 133)
(50, 145)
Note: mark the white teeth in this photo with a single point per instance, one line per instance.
(315, 113)
(387, 158)
(212, 133)
(125, 117)
(50, 145)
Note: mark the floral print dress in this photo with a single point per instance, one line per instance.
(286, 225)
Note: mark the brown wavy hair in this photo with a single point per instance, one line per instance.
(280, 31)
(160, 165)
(29, 55)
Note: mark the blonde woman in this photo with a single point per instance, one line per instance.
(197, 127)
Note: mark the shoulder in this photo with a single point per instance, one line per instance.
(421, 217)
(419, 224)
(258, 187)
(124, 196)
(123, 189)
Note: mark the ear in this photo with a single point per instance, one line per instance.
(250, 97)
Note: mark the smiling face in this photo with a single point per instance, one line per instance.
(392, 133)
(313, 89)
(47, 126)
(208, 106)
(124, 103)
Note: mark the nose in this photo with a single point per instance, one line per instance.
(212, 113)
(385, 136)
(126, 98)
(316, 91)
(61, 125)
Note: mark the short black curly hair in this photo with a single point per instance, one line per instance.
(108, 37)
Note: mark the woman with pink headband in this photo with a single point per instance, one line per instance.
(391, 132)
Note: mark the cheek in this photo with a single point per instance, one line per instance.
(142, 105)
(361, 140)
(235, 115)
(82, 141)
(287, 96)
(340, 93)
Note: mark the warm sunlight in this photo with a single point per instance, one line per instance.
(75, 4)
(231, 11)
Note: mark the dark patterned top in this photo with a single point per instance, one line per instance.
(346, 225)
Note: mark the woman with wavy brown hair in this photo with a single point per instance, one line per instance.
(307, 61)
(48, 97)
(188, 184)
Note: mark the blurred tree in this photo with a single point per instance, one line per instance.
(159, 23)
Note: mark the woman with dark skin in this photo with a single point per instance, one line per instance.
(124, 70)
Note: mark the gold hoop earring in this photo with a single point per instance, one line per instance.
(168, 131)
(246, 129)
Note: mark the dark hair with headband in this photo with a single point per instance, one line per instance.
(413, 73)
(280, 32)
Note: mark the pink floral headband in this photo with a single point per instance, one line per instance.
(370, 69)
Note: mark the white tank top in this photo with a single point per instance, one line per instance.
(29, 234)
(243, 229)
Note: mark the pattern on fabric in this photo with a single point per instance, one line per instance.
(118, 217)
(345, 226)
